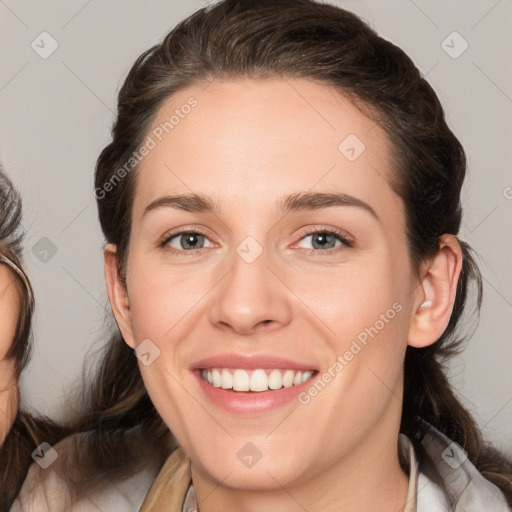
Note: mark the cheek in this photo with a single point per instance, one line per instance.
(158, 298)
(355, 299)
(361, 308)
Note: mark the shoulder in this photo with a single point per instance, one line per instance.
(46, 487)
(448, 481)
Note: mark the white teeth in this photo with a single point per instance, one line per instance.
(259, 381)
(306, 375)
(240, 380)
(254, 380)
(275, 380)
(288, 378)
(227, 380)
(216, 378)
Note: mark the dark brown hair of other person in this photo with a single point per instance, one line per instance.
(27, 431)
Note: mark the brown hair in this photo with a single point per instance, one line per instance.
(292, 38)
(27, 431)
(11, 239)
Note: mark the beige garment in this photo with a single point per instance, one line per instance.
(173, 491)
(167, 494)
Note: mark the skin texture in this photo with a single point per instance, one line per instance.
(246, 145)
(9, 395)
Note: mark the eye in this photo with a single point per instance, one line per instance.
(326, 241)
(185, 241)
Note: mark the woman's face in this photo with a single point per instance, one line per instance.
(8, 380)
(252, 287)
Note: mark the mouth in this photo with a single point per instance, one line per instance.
(257, 380)
(252, 384)
(257, 392)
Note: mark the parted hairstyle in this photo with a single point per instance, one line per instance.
(262, 39)
(27, 431)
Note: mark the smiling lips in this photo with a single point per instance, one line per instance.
(254, 380)
(252, 384)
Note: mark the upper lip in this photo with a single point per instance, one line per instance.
(250, 362)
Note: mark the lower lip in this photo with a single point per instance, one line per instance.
(251, 402)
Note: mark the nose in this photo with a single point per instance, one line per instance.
(252, 296)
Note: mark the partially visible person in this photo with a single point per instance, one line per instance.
(9, 396)
(226, 351)
(20, 432)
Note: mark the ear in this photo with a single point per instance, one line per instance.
(118, 294)
(435, 295)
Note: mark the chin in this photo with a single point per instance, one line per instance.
(266, 474)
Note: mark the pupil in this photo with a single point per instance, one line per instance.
(323, 239)
(189, 241)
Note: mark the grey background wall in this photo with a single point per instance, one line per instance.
(57, 101)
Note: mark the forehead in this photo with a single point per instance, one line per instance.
(246, 140)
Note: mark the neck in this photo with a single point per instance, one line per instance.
(368, 479)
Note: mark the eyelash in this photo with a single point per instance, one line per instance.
(345, 242)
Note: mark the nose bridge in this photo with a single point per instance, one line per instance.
(250, 294)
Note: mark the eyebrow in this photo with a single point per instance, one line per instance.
(299, 201)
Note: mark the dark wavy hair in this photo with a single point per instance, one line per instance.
(27, 431)
(285, 39)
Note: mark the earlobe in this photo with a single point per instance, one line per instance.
(118, 294)
(436, 294)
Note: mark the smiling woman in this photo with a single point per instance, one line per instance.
(314, 189)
